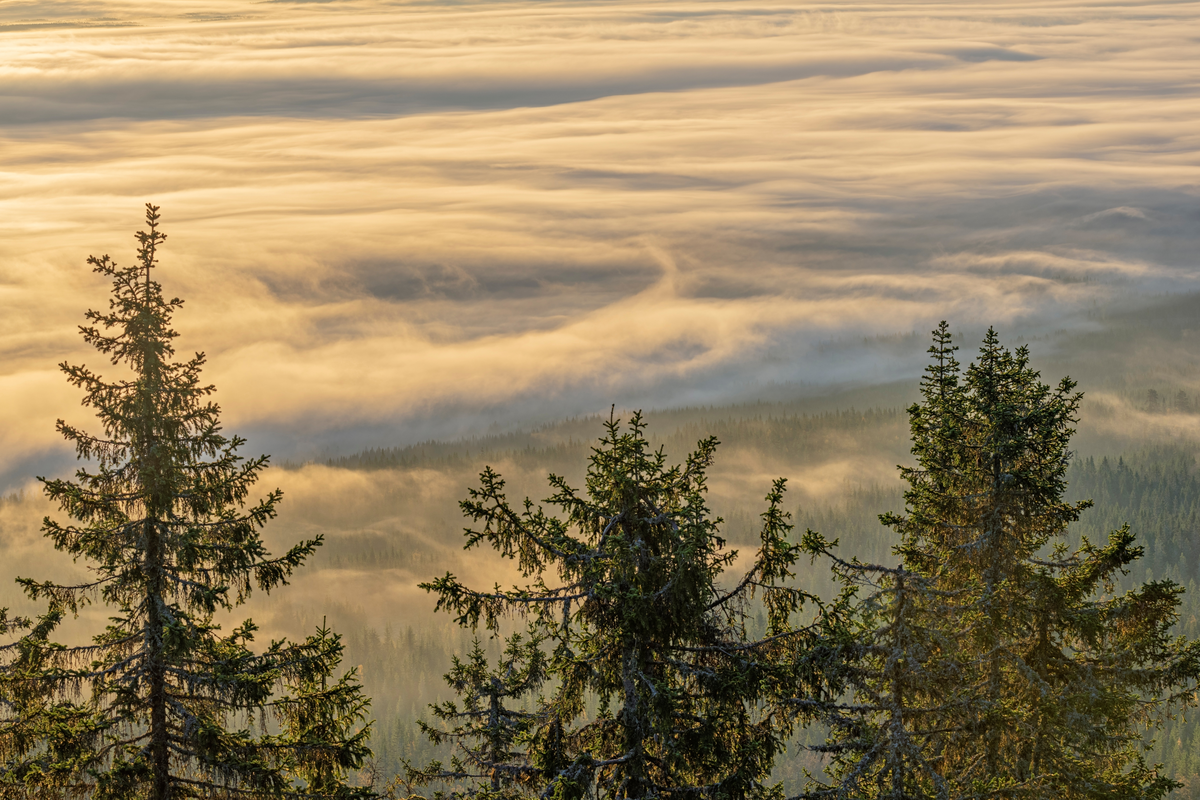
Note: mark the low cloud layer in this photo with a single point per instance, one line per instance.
(392, 219)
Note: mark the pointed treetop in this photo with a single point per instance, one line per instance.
(137, 310)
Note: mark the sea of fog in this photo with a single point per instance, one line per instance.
(396, 221)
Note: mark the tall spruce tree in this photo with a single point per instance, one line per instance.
(1039, 679)
(163, 704)
(626, 584)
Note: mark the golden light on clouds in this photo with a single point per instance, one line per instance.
(379, 213)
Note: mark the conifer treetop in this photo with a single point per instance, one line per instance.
(626, 582)
(160, 514)
(996, 660)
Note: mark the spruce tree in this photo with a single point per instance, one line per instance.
(881, 740)
(1040, 677)
(491, 736)
(163, 704)
(627, 585)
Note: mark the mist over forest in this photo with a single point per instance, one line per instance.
(422, 239)
(401, 221)
(390, 515)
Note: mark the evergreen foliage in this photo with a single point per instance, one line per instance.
(1156, 488)
(625, 585)
(163, 704)
(1156, 491)
(880, 738)
(489, 734)
(1021, 671)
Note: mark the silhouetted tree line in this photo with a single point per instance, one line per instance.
(992, 656)
(1179, 403)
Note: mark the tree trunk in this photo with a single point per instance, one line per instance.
(897, 721)
(159, 750)
(635, 781)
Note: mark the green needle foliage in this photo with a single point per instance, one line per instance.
(1006, 665)
(491, 736)
(163, 704)
(880, 737)
(659, 690)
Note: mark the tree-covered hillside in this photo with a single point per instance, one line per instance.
(397, 523)
(849, 455)
(390, 519)
(1157, 491)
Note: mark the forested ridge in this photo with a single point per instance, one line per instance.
(1155, 489)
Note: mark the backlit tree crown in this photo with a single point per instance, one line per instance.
(159, 514)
